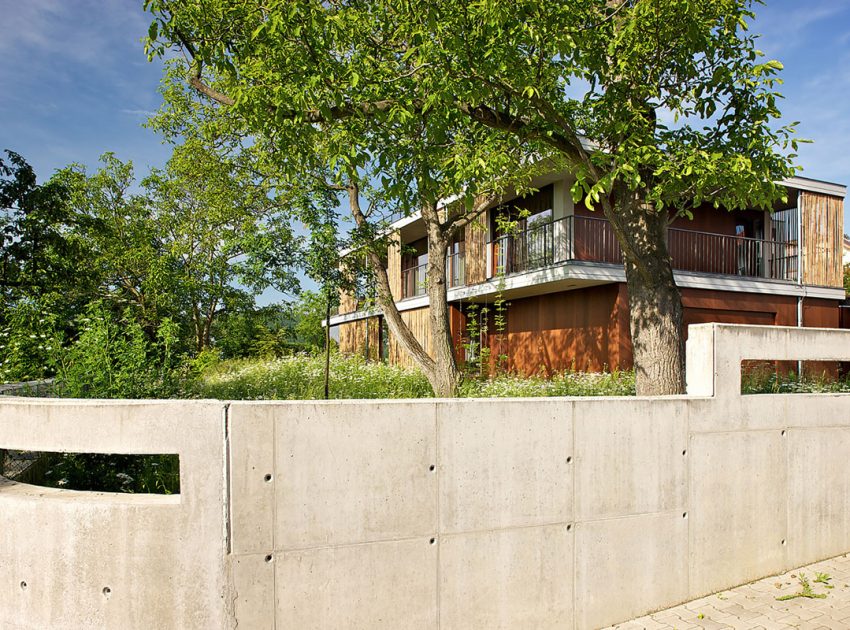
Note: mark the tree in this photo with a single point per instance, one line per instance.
(41, 252)
(405, 164)
(589, 83)
(204, 238)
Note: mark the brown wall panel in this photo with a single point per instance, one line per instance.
(558, 331)
(588, 329)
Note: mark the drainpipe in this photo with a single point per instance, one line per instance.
(800, 259)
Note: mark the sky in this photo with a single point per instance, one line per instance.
(75, 81)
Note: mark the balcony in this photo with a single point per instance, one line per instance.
(413, 279)
(592, 239)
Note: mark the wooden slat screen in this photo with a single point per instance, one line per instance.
(823, 225)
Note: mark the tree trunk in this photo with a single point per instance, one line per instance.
(447, 376)
(386, 301)
(655, 304)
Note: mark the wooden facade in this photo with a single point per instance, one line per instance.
(475, 256)
(363, 337)
(588, 329)
(823, 229)
(394, 265)
(417, 321)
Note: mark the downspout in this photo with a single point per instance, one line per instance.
(800, 259)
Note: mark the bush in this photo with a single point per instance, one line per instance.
(115, 359)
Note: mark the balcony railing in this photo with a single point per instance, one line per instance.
(413, 281)
(456, 270)
(592, 239)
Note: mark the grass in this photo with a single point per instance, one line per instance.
(769, 381)
(300, 377)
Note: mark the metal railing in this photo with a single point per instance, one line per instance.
(456, 270)
(592, 239)
(413, 281)
(732, 255)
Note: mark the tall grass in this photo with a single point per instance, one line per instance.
(300, 377)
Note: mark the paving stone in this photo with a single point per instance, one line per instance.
(755, 606)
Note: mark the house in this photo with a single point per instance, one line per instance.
(562, 281)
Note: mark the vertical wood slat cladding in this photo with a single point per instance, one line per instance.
(352, 337)
(373, 339)
(361, 337)
(394, 265)
(475, 256)
(823, 226)
(417, 321)
(347, 303)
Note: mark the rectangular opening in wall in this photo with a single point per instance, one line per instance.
(93, 472)
(794, 377)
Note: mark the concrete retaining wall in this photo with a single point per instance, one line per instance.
(534, 513)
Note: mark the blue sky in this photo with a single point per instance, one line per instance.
(75, 81)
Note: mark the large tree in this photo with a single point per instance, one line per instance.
(204, 236)
(656, 106)
(410, 162)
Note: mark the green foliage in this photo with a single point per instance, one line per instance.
(654, 106)
(805, 591)
(41, 251)
(847, 279)
(561, 384)
(309, 313)
(150, 474)
(771, 381)
(113, 358)
(30, 341)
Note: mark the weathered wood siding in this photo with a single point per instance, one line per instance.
(394, 266)
(352, 337)
(417, 321)
(475, 256)
(361, 337)
(373, 339)
(823, 227)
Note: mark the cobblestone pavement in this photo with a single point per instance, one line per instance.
(756, 606)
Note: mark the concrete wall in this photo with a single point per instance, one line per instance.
(545, 513)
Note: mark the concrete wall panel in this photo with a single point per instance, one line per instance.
(251, 431)
(375, 586)
(630, 467)
(84, 559)
(508, 579)
(504, 464)
(558, 513)
(818, 494)
(626, 567)
(738, 508)
(353, 472)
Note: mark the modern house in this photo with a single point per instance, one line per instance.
(561, 277)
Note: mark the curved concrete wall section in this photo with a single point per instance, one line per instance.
(543, 513)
